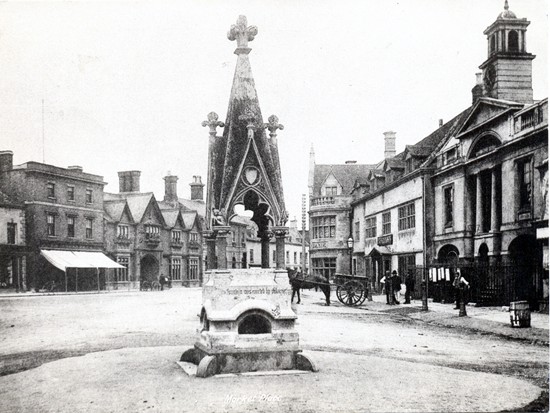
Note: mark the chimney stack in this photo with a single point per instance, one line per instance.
(6, 161)
(197, 189)
(389, 148)
(76, 168)
(351, 162)
(440, 122)
(128, 181)
(477, 90)
(170, 188)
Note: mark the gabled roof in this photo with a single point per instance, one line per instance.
(345, 174)
(115, 209)
(171, 217)
(483, 111)
(137, 202)
(189, 219)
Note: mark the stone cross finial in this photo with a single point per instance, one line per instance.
(212, 123)
(273, 124)
(243, 34)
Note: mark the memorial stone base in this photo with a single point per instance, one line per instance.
(247, 324)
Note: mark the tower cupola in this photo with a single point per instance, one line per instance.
(507, 72)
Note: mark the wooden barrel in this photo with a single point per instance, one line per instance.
(520, 315)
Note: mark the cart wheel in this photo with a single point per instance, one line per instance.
(155, 286)
(352, 293)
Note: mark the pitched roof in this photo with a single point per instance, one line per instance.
(137, 202)
(170, 217)
(345, 174)
(394, 163)
(190, 205)
(418, 151)
(114, 208)
(189, 218)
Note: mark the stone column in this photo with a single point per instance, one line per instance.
(494, 200)
(479, 205)
(221, 246)
(210, 237)
(265, 238)
(280, 235)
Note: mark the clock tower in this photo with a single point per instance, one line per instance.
(507, 72)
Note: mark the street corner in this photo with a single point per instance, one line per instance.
(137, 379)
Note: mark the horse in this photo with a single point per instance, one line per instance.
(298, 282)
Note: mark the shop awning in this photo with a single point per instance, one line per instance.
(78, 259)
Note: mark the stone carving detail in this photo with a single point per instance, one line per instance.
(273, 125)
(219, 218)
(212, 123)
(283, 219)
(242, 32)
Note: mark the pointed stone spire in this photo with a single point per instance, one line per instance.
(245, 151)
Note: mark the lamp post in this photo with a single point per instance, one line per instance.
(350, 246)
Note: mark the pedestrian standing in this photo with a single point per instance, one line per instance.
(386, 280)
(409, 286)
(396, 286)
(459, 283)
(162, 281)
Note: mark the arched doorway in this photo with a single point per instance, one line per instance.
(525, 278)
(149, 268)
(448, 255)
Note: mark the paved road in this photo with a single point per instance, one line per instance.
(361, 352)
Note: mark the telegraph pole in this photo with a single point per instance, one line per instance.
(304, 234)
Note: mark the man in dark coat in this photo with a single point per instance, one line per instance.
(409, 286)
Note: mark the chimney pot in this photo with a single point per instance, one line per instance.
(477, 90)
(170, 188)
(389, 147)
(440, 122)
(128, 181)
(6, 161)
(197, 188)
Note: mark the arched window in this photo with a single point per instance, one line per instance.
(484, 145)
(513, 41)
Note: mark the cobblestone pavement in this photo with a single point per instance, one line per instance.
(117, 352)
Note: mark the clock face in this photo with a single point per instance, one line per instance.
(489, 77)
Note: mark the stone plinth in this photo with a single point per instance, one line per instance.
(247, 324)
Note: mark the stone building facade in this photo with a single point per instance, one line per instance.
(63, 210)
(13, 250)
(490, 185)
(152, 238)
(330, 189)
(391, 209)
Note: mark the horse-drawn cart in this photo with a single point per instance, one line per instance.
(351, 290)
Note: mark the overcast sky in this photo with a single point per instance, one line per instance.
(126, 85)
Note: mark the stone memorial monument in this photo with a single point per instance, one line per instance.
(247, 323)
